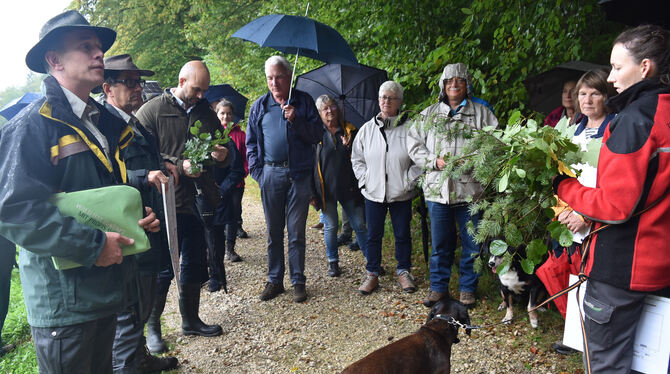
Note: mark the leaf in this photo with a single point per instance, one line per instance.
(592, 152)
(194, 130)
(498, 247)
(466, 11)
(520, 172)
(565, 239)
(514, 118)
(536, 249)
(565, 170)
(528, 266)
(502, 185)
(504, 265)
(555, 228)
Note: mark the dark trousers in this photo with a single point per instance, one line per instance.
(129, 339)
(401, 215)
(235, 204)
(611, 316)
(7, 261)
(216, 250)
(285, 203)
(192, 248)
(81, 348)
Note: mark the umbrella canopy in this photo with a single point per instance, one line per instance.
(545, 88)
(15, 106)
(298, 35)
(637, 12)
(151, 89)
(356, 88)
(226, 91)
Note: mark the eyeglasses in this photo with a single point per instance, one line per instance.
(388, 98)
(455, 80)
(131, 83)
(332, 108)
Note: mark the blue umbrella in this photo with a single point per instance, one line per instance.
(225, 91)
(298, 35)
(14, 107)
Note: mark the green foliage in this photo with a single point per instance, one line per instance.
(17, 331)
(199, 147)
(516, 166)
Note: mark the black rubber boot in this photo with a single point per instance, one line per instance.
(155, 342)
(152, 364)
(189, 304)
(230, 252)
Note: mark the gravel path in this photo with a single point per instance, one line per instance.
(336, 326)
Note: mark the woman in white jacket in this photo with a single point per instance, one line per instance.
(387, 177)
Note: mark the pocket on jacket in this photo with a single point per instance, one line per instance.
(91, 289)
(599, 315)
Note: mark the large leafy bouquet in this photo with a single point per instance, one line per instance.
(198, 149)
(516, 166)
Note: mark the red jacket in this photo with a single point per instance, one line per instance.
(239, 137)
(633, 175)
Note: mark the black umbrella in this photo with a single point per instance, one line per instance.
(356, 88)
(637, 12)
(545, 88)
(226, 91)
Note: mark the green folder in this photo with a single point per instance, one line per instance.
(111, 208)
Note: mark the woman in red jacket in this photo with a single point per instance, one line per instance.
(629, 255)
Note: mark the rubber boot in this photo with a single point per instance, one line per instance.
(155, 342)
(230, 252)
(189, 304)
(151, 364)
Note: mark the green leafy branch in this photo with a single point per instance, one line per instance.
(199, 147)
(516, 166)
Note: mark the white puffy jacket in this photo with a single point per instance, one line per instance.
(384, 173)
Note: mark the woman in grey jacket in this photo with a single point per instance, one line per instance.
(428, 143)
(386, 176)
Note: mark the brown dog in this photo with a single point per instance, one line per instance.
(426, 351)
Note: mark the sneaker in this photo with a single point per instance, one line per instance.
(368, 284)
(468, 299)
(406, 282)
(334, 269)
(343, 239)
(241, 233)
(318, 226)
(299, 293)
(433, 297)
(271, 291)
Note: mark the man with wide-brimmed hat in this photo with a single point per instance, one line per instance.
(122, 92)
(67, 142)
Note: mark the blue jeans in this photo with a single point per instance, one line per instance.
(401, 215)
(285, 203)
(443, 219)
(356, 217)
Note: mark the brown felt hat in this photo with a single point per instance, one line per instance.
(124, 63)
(55, 28)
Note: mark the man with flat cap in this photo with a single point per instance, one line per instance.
(67, 142)
(168, 118)
(122, 92)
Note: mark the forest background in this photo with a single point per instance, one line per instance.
(502, 42)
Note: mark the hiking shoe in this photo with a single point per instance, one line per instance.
(271, 291)
(241, 233)
(299, 293)
(334, 269)
(368, 284)
(468, 299)
(406, 282)
(433, 297)
(343, 239)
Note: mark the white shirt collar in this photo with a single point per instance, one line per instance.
(124, 115)
(181, 103)
(77, 104)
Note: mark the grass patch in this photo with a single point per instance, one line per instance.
(17, 331)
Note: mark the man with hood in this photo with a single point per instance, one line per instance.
(67, 142)
(428, 144)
